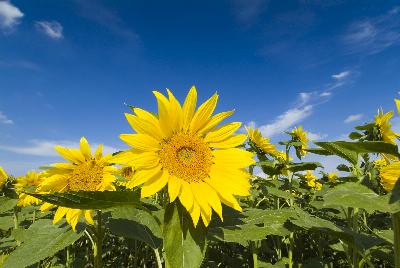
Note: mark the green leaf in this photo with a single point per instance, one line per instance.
(92, 200)
(6, 222)
(355, 135)
(7, 204)
(137, 224)
(337, 149)
(295, 167)
(319, 151)
(252, 225)
(41, 240)
(184, 244)
(355, 195)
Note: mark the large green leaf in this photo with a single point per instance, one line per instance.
(7, 204)
(6, 222)
(350, 150)
(41, 240)
(184, 244)
(92, 200)
(337, 149)
(137, 224)
(252, 225)
(355, 195)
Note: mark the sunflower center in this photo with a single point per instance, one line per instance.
(86, 176)
(186, 157)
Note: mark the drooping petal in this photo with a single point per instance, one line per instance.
(141, 141)
(88, 217)
(60, 213)
(174, 186)
(195, 213)
(186, 195)
(154, 185)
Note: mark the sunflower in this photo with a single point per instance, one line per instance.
(256, 137)
(384, 127)
(312, 181)
(389, 175)
(28, 183)
(397, 105)
(332, 177)
(3, 178)
(186, 150)
(300, 136)
(83, 172)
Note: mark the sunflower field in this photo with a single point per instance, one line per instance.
(193, 189)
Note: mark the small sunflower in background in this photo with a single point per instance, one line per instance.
(386, 134)
(300, 136)
(3, 178)
(84, 171)
(312, 181)
(332, 177)
(389, 175)
(28, 183)
(185, 149)
(263, 144)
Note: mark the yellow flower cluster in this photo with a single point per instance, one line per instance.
(3, 177)
(301, 136)
(312, 181)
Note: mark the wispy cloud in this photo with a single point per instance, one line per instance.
(353, 118)
(97, 12)
(10, 16)
(52, 29)
(373, 35)
(247, 12)
(24, 64)
(46, 148)
(316, 136)
(4, 119)
(303, 108)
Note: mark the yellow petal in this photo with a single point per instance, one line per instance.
(176, 109)
(60, 213)
(215, 120)
(85, 149)
(189, 107)
(141, 141)
(222, 132)
(164, 112)
(71, 155)
(142, 126)
(88, 217)
(195, 213)
(231, 142)
(147, 116)
(225, 196)
(143, 175)
(201, 199)
(233, 158)
(72, 217)
(203, 114)
(186, 196)
(154, 185)
(174, 186)
(99, 152)
(212, 198)
(397, 105)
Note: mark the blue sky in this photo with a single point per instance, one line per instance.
(68, 67)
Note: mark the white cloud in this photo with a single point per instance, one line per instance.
(341, 76)
(10, 15)
(316, 136)
(286, 120)
(53, 29)
(353, 118)
(4, 119)
(46, 148)
(248, 11)
(375, 34)
(325, 94)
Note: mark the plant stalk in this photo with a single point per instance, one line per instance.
(159, 263)
(396, 230)
(98, 245)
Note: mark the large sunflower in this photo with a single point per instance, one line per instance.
(301, 136)
(384, 126)
(28, 183)
(256, 137)
(83, 172)
(3, 178)
(185, 149)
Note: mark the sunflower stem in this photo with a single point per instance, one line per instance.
(98, 243)
(396, 230)
(159, 263)
(254, 251)
(290, 252)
